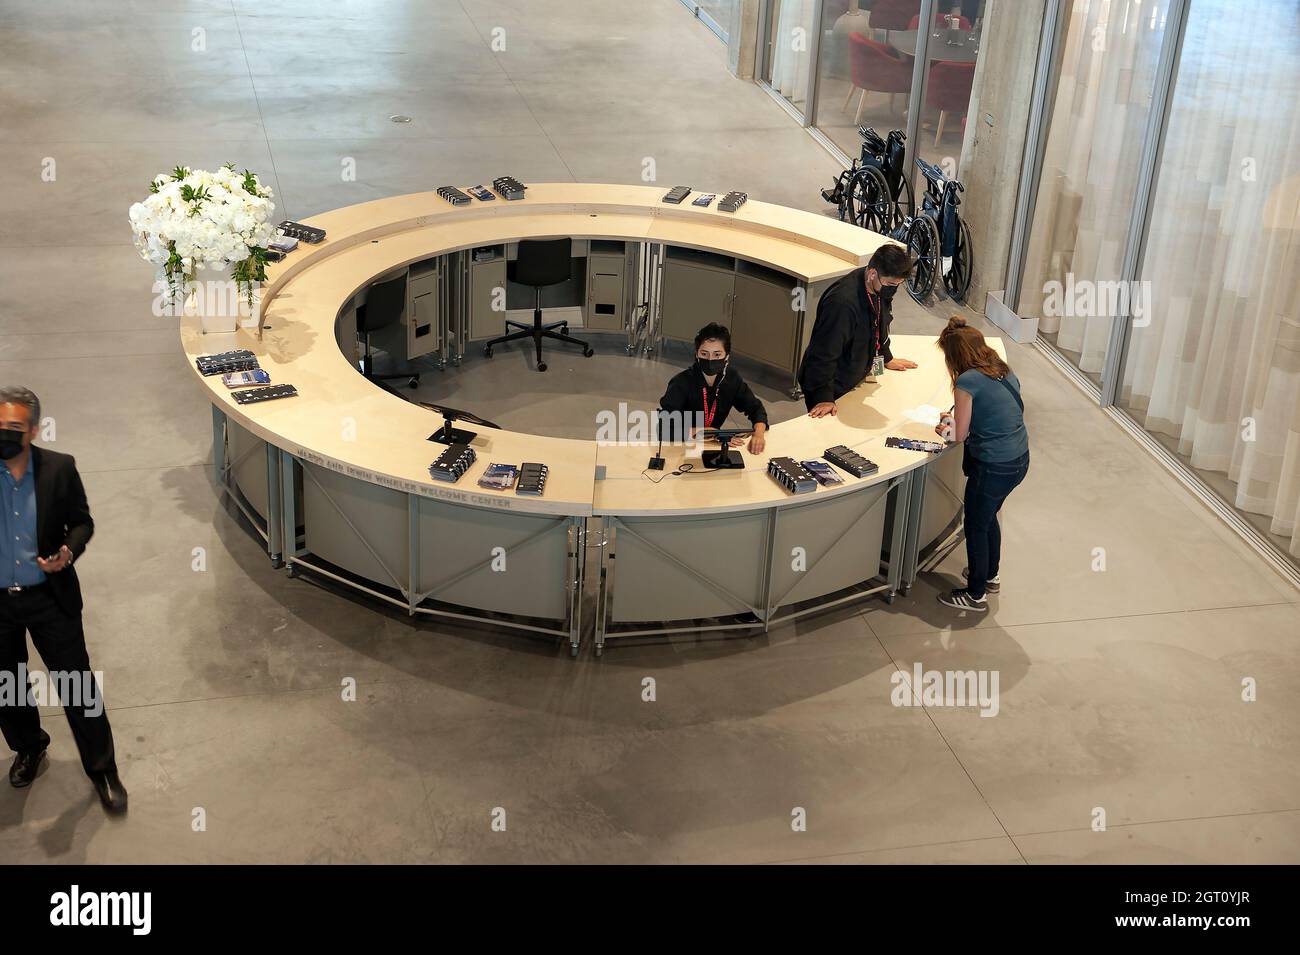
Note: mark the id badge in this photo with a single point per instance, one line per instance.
(877, 367)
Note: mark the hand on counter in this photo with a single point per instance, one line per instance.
(900, 364)
(822, 409)
(758, 440)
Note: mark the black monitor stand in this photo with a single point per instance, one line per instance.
(725, 458)
(450, 435)
(721, 460)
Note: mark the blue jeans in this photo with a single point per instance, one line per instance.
(987, 486)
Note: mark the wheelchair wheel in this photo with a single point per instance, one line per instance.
(869, 204)
(957, 279)
(923, 244)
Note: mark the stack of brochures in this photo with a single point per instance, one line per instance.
(499, 476)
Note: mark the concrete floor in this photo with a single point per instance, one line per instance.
(1119, 689)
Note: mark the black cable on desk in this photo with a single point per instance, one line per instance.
(687, 468)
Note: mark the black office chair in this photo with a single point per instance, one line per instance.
(541, 262)
(385, 303)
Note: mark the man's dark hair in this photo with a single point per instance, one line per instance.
(714, 330)
(891, 261)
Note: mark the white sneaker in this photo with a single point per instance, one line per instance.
(962, 600)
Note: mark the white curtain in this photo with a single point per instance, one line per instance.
(791, 41)
(1090, 165)
(1218, 367)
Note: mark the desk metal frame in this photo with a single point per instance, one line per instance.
(897, 574)
(279, 528)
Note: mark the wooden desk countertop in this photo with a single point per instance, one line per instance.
(343, 422)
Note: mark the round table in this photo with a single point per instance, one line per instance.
(965, 51)
(336, 479)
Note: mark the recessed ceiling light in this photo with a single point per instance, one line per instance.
(399, 118)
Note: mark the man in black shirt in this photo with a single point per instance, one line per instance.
(705, 393)
(852, 329)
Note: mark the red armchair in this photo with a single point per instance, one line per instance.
(876, 67)
(948, 90)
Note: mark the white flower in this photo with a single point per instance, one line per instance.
(227, 224)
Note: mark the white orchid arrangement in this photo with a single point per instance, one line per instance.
(195, 219)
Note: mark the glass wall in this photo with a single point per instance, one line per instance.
(1089, 175)
(789, 45)
(951, 56)
(866, 67)
(715, 14)
(864, 76)
(1212, 366)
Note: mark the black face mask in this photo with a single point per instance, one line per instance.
(887, 292)
(711, 366)
(11, 444)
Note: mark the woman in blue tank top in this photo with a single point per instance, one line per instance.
(988, 416)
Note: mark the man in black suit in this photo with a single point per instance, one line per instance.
(851, 331)
(45, 525)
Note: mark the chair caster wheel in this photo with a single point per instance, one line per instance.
(889, 598)
(277, 562)
(573, 649)
(541, 366)
(487, 352)
(564, 329)
(600, 651)
(413, 383)
(293, 570)
(587, 353)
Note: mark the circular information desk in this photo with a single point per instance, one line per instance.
(337, 480)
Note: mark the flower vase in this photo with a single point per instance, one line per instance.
(217, 302)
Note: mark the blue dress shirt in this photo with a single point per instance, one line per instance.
(18, 522)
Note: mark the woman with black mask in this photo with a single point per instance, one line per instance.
(703, 395)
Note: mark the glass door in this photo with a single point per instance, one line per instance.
(1211, 366)
(789, 46)
(1089, 180)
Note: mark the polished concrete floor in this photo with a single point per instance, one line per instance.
(1120, 689)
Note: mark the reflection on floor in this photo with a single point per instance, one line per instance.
(1118, 687)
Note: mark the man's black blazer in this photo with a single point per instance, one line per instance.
(62, 517)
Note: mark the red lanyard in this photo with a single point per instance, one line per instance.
(874, 302)
(709, 412)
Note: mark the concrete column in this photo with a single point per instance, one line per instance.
(994, 146)
(742, 39)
